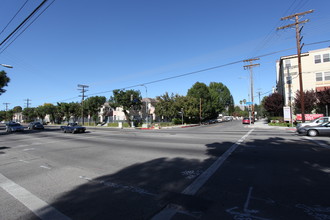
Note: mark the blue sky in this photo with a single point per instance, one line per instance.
(108, 45)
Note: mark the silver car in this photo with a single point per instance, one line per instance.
(323, 129)
(13, 126)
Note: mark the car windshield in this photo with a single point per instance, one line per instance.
(318, 120)
(14, 125)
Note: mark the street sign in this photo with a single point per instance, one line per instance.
(249, 103)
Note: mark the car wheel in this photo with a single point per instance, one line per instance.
(64, 130)
(312, 133)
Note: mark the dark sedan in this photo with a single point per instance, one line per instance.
(73, 128)
(323, 129)
(36, 126)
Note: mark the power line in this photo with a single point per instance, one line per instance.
(18, 28)
(194, 72)
(14, 17)
(23, 22)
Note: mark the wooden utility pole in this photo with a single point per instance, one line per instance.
(27, 102)
(299, 47)
(250, 66)
(200, 110)
(6, 104)
(83, 90)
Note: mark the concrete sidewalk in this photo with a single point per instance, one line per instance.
(263, 124)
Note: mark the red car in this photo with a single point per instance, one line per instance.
(246, 121)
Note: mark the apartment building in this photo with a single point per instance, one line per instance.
(315, 73)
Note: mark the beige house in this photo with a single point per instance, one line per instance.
(315, 73)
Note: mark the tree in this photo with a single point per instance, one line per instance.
(41, 113)
(323, 100)
(29, 114)
(309, 102)
(165, 106)
(17, 109)
(4, 80)
(129, 100)
(51, 110)
(2, 115)
(201, 92)
(64, 110)
(221, 99)
(273, 104)
(93, 105)
(75, 110)
(188, 106)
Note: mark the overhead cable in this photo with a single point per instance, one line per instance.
(19, 10)
(23, 22)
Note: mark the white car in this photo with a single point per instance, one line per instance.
(315, 122)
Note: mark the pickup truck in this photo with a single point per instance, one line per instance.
(73, 128)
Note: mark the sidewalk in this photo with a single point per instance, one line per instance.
(264, 125)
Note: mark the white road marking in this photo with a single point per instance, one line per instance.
(169, 211)
(39, 207)
(27, 149)
(45, 167)
(119, 186)
(24, 161)
(246, 205)
(247, 213)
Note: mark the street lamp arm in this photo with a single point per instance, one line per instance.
(6, 65)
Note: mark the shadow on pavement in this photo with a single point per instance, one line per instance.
(288, 173)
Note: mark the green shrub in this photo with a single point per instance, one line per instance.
(282, 124)
(176, 121)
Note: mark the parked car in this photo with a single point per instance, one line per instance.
(73, 128)
(36, 126)
(13, 126)
(246, 121)
(315, 122)
(323, 129)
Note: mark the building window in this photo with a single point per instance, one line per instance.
(326, 57)
(319, 77)
(326, 76)
(317, 58)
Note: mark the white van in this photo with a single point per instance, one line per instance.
(315, 122)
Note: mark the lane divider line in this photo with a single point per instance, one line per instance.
(39, 207)
(169, 211)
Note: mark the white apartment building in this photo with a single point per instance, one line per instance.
(108, 114)
(315, 73)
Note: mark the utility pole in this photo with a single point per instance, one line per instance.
(200, 110)
(299, 47)
(82, 88)
(27, 102)
(250, 66)
(6, 104)
(259, 93)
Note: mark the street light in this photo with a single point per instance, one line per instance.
(147, 116)
(6, 65)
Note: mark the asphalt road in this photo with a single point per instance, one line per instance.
(220, 171)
